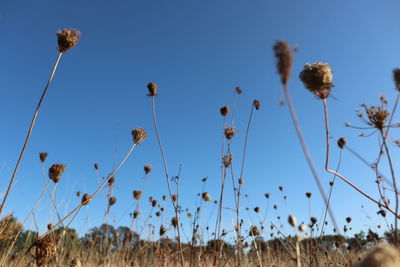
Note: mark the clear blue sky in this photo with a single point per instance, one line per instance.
(197, 52)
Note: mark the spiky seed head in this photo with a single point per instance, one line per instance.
(229, 132)
(147, 168)
(67, 39)
(281, 188)
(112, 201)
(154, 203)
(308, 194)
(86, 199)
(96, 166)
(174, 222)
(135, 214)
(224, 111)
(240, 181)
(341, 142)
(78, 193)
(139, 134)
(292, 220)
(227, 160)
(55, 172)
(283, 60)
(42, 156)
(302, 227)
(163, 230)
(238, 90)
(256, 104)
(45, 250)
(317, 78)
(266, 195)
(348, 219)
(257, 209)
(396, 78)
(153, 89)
(206, 196)
(377, 116)
(111, 180)
(174, 197)
(254, 231)
(137, 194)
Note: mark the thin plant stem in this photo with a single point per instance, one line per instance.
(30, 132)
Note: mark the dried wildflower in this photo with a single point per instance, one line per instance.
(153, 89)
(308, 194)
(9, 227)
(96, 166)
(292, 220)
(275, 207)
(111, 181)
(331, 183)
(257, 209)
(139, 134)
(174, 197)
(256, 104)
(164, 197)
(137, 194)
(78, 193)
(317, 78)
(254, 231)
(112, 201)
(238, 90)
(313, 221)
(135, 214)
(86, 199)
(240, 181)
(174, 222)
(147, 168)
(284, 60)
(281, 188)
(382, 213)
(224, 111)
(158, 214)
(163, 230)
(42, 156)
(302, 227)
(266, 195)
(227, 160)
(56, 171)
(229, 132)
(377, 116)
(341, 142)
(67, 39)
(154, 203)
(206, 196)
(348, 219)
(49, 226)
(45, 250)
(396, 78)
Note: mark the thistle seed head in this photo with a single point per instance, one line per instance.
(317, 78)
(42, 156)
(139, 134)
(147, 168)
(206, 196)
(153, 89)
(137, 194)
(283, 60)
(341, 142)
(174, 222)
(55, 172)
(292, 221)
(112, 201)
(78, 193)
(67, 39)
(396, 78)
(224, 111)
(254, 231)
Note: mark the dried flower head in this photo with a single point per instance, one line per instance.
(308, 194)
(147, 168)
(206, 196)
(302, 227)
(111, 180)
(139, 134)
(174, 222)
(256, 104)
(254, 231)
(67, 39)
(266, 195)
(55, 172)
(112, 201)
(396, 78)
(292, 221)
(317, 78)
(164, 197)
(158, 213)
(174, 197)
(86, 199)
(96, 166)
(348, 219)
(341, 142)
(154, 203)
(377, 116)
(137, 194)
(153, 89)
(49, 226)
(284, 60)
(42, 156)
(313, 221)
(78, 193)
(227, 160)
(135, 214)
(275, 207)
(382, 213)
(281, 188)
(163, 230)
(257, 209)
(229, 132)
(45, 250)
(238, 90)
(224, 111)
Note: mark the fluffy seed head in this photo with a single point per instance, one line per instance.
(67, 39)
(137, 194)
(292, 220)
(283, 60)
(86, 199)
(206, 196)
(147, 168)
(341, 142)
(112, 201)
(229, 132)
(396, 78)
(153, 89)
(139, 134)
(55, 172)
(317, 78)
(42, 156)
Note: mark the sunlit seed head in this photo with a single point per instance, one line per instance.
(67, 39)
(317, 78)
(283, 60)
(139, 134)
(55, 172)
(153, 89)
(292, 220)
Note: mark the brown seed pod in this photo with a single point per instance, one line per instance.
(377, 116)
(158, 214)
(139, 134)
(281, 188)
(135, 214)
(240, 181)
(67, 39)
(317, 78)
(96, 166)
(153, 89)
(227, 160)
(254, 231)
(229, 132)
(42, 156)
(308, 194)
(147, 168)
(174, 222)
(224, 111)
(206, 196)
(302, 227)
(111, 181)
(45, 250)
(283, 60)
(78, 193)
(137, 194)
(164, 197)
(257, 209)
(174, 197)
(163, 230)
(292, 221)
(275, 207)
(341, 142)
(55, 172)
(256, 104)
(348, 219)
(86, 199)
(154, 203)
(112, 201)
(396, 78)
(49, 226)
(238, 90)
(266, 195)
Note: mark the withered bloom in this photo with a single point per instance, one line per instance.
(256, 104)
(341, 142)
(112, 201)
(139, 134)
(55, 172)
(254, 230)
(174, 222)
(284, 60)
(67, 39)
(224, 111)
(153, 89)
(229, 132)
(147, 168)
(137, 194)
(42, 156)
(85, 199)
(317, 78)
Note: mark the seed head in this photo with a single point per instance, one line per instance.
(227, 160)
(147, 168)
(174, 222)
(348, 219)
(224, 111)
(283, 60)
(153, 89)
(86, 199)
(313, 221)
(377, 116)
(229, 132)
(42, 156)
(275, 207)
(96, 166)
(341, 142)
(112, 201)
(206, 196)
(308, 194)
(396, 78)
(254, 230)
(266, 195)
(281, 188)
(45, 250)
(240, 181)
(78, 193)
(382, 213)
(256, 104)
(55, 172)
(257, 209)
(137, 194)
(302, 227)
(238, 90)
(292, 220)
(158, 214)
(317, 78)
(154, 203)
(135, 214)
(67, 39)
(163, 230)
(139, 134)
(174, 197)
